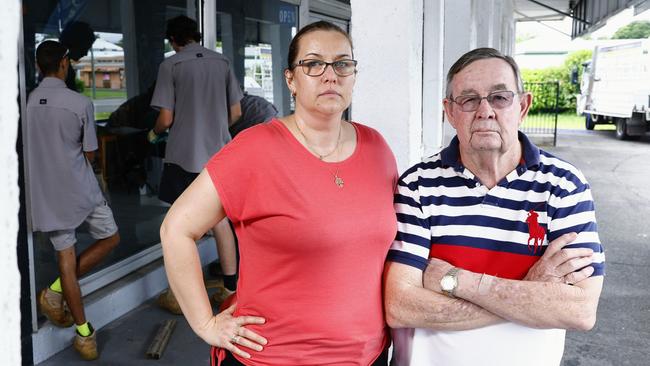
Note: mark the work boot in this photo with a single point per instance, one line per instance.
(86, 346)
(52, 306)
(220, 295)
(167, 301)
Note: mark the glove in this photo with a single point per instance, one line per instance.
(155, 138)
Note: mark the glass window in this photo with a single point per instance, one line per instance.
(255, 36)
(118, 74)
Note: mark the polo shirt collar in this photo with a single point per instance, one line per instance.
(450, 156)
(52, 82)
(192, 47)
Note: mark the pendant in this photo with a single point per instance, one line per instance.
(339, 181)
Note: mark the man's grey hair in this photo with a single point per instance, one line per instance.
(482, 54)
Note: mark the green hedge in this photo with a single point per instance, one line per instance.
(544, 98)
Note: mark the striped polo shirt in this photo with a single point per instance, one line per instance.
(444, 211)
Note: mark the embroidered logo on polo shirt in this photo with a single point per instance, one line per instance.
(42, 101)
(536, 232)
(199, 55)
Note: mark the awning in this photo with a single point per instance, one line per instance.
(587, 15)
(592, 14)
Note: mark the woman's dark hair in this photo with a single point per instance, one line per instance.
(317, 26)
(182, 30)
(48, 56)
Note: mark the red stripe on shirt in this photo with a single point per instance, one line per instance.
(500, 264)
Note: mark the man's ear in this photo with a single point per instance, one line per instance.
(64, 63)
(525, 102)
(447, 105)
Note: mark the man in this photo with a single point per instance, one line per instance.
(493, 292)
(64, 192)
(198, 98)
(255, 110)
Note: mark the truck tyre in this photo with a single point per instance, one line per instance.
(589, 121)
(621, 129)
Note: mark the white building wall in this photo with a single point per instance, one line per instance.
(405, 49)
(483, 19)
(460, 36)
(433, 82)
(490, 23)
(388, 92)
(10, 294)
(508, 27)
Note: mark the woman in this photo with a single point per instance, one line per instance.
(310, 196)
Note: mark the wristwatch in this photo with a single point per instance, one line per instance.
(449, 282)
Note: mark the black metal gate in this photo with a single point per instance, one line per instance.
(541, 124)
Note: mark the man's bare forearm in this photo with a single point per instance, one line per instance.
(534, 304)
(409, 305)
(164, 121)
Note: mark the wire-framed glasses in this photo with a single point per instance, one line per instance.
(497, 100)
(316, 67)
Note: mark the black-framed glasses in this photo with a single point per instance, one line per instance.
(497, 100)
(316, 67)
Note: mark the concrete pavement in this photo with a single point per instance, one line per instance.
(619, 173)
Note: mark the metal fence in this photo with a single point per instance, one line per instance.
(541, 124)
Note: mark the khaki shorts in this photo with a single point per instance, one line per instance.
(101, 225)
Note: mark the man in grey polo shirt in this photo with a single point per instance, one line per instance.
(64, 192)
(198, 98)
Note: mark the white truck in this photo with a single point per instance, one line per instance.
(615, 88)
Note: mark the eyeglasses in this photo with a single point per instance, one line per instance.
(315, 67)
(497, 100)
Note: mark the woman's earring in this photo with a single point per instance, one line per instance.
(293, 93)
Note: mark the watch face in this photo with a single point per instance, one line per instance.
(447, 283)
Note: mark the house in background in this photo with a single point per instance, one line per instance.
(108, 61)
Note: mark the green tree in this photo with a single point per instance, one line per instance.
(634, 30)
(80, 85)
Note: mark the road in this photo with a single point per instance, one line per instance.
(619, 173)
(107, 105)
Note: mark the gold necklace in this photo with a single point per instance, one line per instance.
(337, 180)
(310, 148)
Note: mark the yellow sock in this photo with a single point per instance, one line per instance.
(56, 286)
(84, 329)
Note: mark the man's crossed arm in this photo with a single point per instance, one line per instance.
(557, 292)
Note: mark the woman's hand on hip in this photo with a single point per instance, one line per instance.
(229, 332)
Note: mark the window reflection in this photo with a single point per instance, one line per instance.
(118, 74)
(255, 35)
(258, 66)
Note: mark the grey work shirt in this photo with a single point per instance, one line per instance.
(199, 86)
(60, 127)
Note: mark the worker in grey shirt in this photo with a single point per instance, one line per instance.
(198, 98)
(254, 110)
(64, 192)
